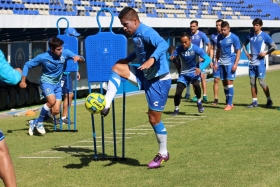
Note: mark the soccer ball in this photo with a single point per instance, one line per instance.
(95, 103)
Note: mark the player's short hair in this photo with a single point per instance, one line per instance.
(219, 20)
(185, 34)
(224, 24)
(194, 21)
(55, 42)
(128, 12)
(171, 48)
(257, 21)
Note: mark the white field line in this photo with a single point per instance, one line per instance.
(48, 157)
(137, 128)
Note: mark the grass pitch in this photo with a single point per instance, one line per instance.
(216, 148)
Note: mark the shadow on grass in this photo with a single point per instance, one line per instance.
(181, 113)
(87, 155)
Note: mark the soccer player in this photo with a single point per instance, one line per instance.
(258, 41)
(215, 65)
(53, 64)
(152, 75)
(7, 173)
(190, 73)
(228, 54)
(66, 78)
(199, 38)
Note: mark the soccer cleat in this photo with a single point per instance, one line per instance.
(215, 102)
(187, 96)
(269, 103)
(105, 112)
(40, 128)
(253, 105)
(65, 121)
(228, 107)
(200, 108)
(194, 99)
(32, 124)
(204, 99)
(155, 163)
(175, 113)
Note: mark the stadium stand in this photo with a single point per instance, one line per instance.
(25, 22)
(213, 9)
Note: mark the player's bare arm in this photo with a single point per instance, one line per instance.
(234, 67)
(246, 52)
(22, 83)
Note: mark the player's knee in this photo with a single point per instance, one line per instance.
(252, 82)
(51, 103)
(262, 83)
(216, 80)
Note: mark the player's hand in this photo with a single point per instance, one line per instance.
(211, 65)
(234, 67)
(215, 67)
(197, 71)
(172, 57)
(19, 70)
(249, 56)
(201, 59)
(263, 53)
(76, 58)
(78, 76)
(147, 64)
(22, 84)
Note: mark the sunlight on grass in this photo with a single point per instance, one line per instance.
(216, 148)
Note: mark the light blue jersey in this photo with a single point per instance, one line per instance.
(188, 58)
(7, 72)
(147, 44)
(228, 45)
(52, 67)
(257, 45)
(199, 39)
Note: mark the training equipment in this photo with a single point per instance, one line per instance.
(71, 43)
(95, 103)
(103, 50)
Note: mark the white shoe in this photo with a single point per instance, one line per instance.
(31, 127)
(40, 128)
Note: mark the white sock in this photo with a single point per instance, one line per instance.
(113, 86)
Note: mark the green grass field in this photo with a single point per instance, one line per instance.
(216, 148)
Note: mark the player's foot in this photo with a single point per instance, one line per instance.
(204, 99)
(66, 120)
(254, 104)
(187, 96)
(215, 102)
(105, 112)
(32, 124)
(40, 128)
(155, 163)
(194, 99)
(228, 107)
(232, 105)
(200, 108)
(175, 113)
(269, 103)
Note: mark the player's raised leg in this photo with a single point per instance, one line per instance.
(120, 70)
